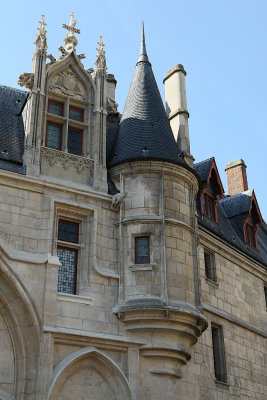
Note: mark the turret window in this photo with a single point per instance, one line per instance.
(142, 250)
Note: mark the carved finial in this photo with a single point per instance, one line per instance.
(100, 62)
(70, 40)
(40, 41)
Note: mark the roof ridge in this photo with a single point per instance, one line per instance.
(203, 161)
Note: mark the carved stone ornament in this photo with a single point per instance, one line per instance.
(51, 58)
(117, 199)
(100, 62)
(26, 80)
(111, 106)
(66, 82)
(40, 42)
(70, 40)
(67, 160)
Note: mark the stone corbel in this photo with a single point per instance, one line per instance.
(26, 80)
(117, 199)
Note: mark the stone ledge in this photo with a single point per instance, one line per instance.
(212, 283)
(235, 320)
(57, 330)
(73, 298)
(142, 267)
(225, 385)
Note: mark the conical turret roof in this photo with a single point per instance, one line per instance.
(144, 130)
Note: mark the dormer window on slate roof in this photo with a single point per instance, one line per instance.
(211, 192)
(65, 128)
(252, 221)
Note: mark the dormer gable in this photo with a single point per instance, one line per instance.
(65, 124)
(243, 211)
(212, 189)
(252, 220)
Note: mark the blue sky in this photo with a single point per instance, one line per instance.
(222, 45)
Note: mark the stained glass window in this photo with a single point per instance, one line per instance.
(67, 271)
(55, 107)
(142, 250)
(53, 136)
(76, 114)
(75, 141)
(68, 231)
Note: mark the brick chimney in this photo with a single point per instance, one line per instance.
(236, 176)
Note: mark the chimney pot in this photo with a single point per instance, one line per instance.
(236, 177)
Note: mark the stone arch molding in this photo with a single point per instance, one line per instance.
(19, 335)
(88, 373)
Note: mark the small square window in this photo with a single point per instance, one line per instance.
(53, 136)
(68, 231)
(75, 141)
(76, 114)
(142, 250)
(218, 353)
(54, 107)
(209, 260)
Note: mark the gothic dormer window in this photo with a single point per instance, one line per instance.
(251, 223)
(65, 126)
(211, 193)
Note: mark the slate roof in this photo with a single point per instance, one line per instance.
(144, 130)
(203, 168)
(230, 212)
(112, 130)
(237, 204)
(12, 129)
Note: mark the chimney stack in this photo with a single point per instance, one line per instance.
(176, 109)
(236, 177)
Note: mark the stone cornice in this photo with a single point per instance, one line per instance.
(225, 249)
(128, 167)
(84, 336)
(42, 184)
(234, 320)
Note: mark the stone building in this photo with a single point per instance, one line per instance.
(126, 271)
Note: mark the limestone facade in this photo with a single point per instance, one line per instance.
(132, 330)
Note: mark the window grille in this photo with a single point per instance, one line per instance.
(75, 141)
(76, 114)
(55, 107)
(142, 250)
(68, 271)
(53, 136)
(67, 232)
